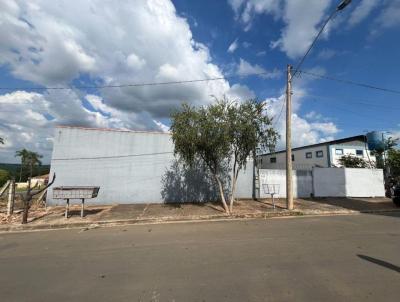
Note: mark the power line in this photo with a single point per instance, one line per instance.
(113, 156)
(134, 84)
(314, 41)
(350, 82)
(280, 113)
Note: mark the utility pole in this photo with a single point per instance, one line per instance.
(289, 180)
(289, 189)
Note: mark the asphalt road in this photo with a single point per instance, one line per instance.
(339, 258)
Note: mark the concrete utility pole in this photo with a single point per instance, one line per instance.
(289, 180)
(289, 190)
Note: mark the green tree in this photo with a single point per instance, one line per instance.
(351, 161)
(249, 128)
(393, 161)
(224, 133)
(4, 176)
(29, 160)
(1, 140)
(23, 154)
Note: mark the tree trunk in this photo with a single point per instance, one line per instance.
(20, 173)
(221, 192)
(232, 192)
(25, 213)
(26, 200)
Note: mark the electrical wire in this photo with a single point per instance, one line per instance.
(350, 82)
(352, 100)
(112, 156)
(314, 41)
(134, 84)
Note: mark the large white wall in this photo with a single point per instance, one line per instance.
(122, 178)
(302, 182)
(130, 179)
(348, 182)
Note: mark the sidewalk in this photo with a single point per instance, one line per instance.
(95, 216)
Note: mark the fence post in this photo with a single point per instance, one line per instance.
(11, 197)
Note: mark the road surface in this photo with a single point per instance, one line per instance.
(337, 258)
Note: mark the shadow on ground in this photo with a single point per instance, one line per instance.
(382, 263)
(87, 212)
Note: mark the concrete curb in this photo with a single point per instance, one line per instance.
(160, 220)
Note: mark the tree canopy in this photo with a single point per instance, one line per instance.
(29, 160)
(351, 161)
(223, 133)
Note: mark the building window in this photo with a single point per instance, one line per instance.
(309, 155)
(339, 151)
(261, 161)
(319, 153)
(272, 160)
(360, 152)
(292, 157)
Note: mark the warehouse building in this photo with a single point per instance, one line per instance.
(323, 155)
(130, 167)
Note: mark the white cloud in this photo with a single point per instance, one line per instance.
(246, 44)
(310, 129)
(245, 10)
(234, 45)
(135, 62)
(52, 43)
(161, 126)
(362, 11)
(240, 92)
(301, 18)
(326, 54)
(245, 69)
(390, 15)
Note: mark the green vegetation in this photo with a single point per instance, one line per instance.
(29, 161)
(393, 162)
(4, 176)
(351, 161)
(14, 170)
(222, 134)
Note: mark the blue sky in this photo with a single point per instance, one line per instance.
(52, 44)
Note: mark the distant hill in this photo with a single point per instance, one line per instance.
(14, 170)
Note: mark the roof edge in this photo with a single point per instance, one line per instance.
(340, 140)
(111, 129)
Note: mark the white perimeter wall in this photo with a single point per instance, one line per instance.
(302, 182)
(326, 182)
(348, 182)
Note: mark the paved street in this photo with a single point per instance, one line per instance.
(337, 258)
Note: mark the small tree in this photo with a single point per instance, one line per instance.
(350, 161)
(27, 197)
(224, 133)
(29, 160)
(393, 161)
(250, 127)
(203, 134)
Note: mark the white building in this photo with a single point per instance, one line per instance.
(129, 167)
(324, 155)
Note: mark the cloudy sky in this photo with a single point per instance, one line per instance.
(56, 43)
